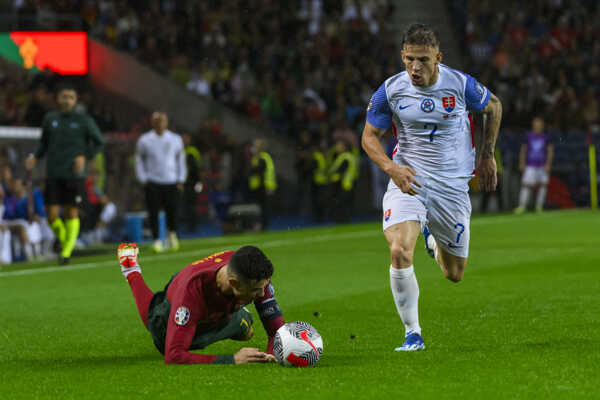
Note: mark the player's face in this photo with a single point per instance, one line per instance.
(247, 292)
(66, 100)
(421, 63)
(538, 125)
(160, 121)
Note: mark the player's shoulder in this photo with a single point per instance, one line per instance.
(397, 83)
(453, 77)
(51, 115)
(215, 260)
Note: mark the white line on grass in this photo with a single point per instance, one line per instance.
(199, 251)
(238, 241)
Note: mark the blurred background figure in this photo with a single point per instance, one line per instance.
(69, 139)
(262, 181)
(342, 175)
(319, 182)
(535, 161)
(160, 167)
(193, 182)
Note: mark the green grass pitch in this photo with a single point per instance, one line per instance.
(524, 323)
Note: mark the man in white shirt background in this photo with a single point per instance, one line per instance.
(160, 167)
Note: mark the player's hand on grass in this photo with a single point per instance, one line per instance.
(252, 355)
(404, 177)
(487, 174)
(79, 165)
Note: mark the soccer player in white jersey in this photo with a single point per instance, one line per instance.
(427, 106)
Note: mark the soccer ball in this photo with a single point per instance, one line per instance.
(297, 344)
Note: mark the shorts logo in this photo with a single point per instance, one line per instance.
(182, 315)
(427, 105)
(449, 103)
(387, 214)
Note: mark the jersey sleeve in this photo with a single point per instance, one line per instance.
(95, 139)
(476, 95)
(140, 167)
(379, 113)
(187, 308)
(270, 314)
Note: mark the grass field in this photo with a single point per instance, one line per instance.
(524, 323)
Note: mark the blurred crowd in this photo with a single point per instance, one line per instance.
(539, 57)
(291, 65)
(25, 98)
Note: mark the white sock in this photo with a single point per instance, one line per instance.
(405, 290)
(524, 196)
(127, 271)
(541, 196)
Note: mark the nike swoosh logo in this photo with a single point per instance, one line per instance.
(453, 246)
(402, 108)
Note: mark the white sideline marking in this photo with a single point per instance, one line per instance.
(200, 251)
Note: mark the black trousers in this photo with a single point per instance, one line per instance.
(318, 201)
(261, 197)
(162, 196)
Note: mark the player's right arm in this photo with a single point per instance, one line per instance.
(379, 119)
(522, 157)
(140, 170)
(42, 147)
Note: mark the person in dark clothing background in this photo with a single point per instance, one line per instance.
(341, 177)
(193, 161)
(262, 182)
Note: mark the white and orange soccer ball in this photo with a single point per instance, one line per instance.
(297, 344)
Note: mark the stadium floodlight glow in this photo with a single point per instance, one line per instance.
(65, 53)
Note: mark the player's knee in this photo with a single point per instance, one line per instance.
(454, 276)
(455, 273)
(402, 255)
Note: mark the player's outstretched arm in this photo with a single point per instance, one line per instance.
(402, 175)
(252, 355)
(492, 116)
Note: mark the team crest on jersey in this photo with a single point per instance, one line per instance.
(387, 214)
(449, 103)
(182, 315)
(427, 105)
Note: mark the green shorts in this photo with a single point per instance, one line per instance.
(236, 327)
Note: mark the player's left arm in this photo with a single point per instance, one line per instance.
(492, 116)
(95, 139)
(270, 314)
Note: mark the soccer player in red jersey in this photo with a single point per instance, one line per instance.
(204, 303)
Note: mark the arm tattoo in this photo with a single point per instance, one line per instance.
(492, 115)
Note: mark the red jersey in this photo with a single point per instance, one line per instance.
(197, 303)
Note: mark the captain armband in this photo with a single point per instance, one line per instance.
(268, 309)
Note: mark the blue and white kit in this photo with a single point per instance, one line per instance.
(433, 130)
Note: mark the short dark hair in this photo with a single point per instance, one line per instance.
(420, 34)
(249, 263)
(65, 86)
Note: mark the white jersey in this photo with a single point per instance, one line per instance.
(431, 124)
(160, 158)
